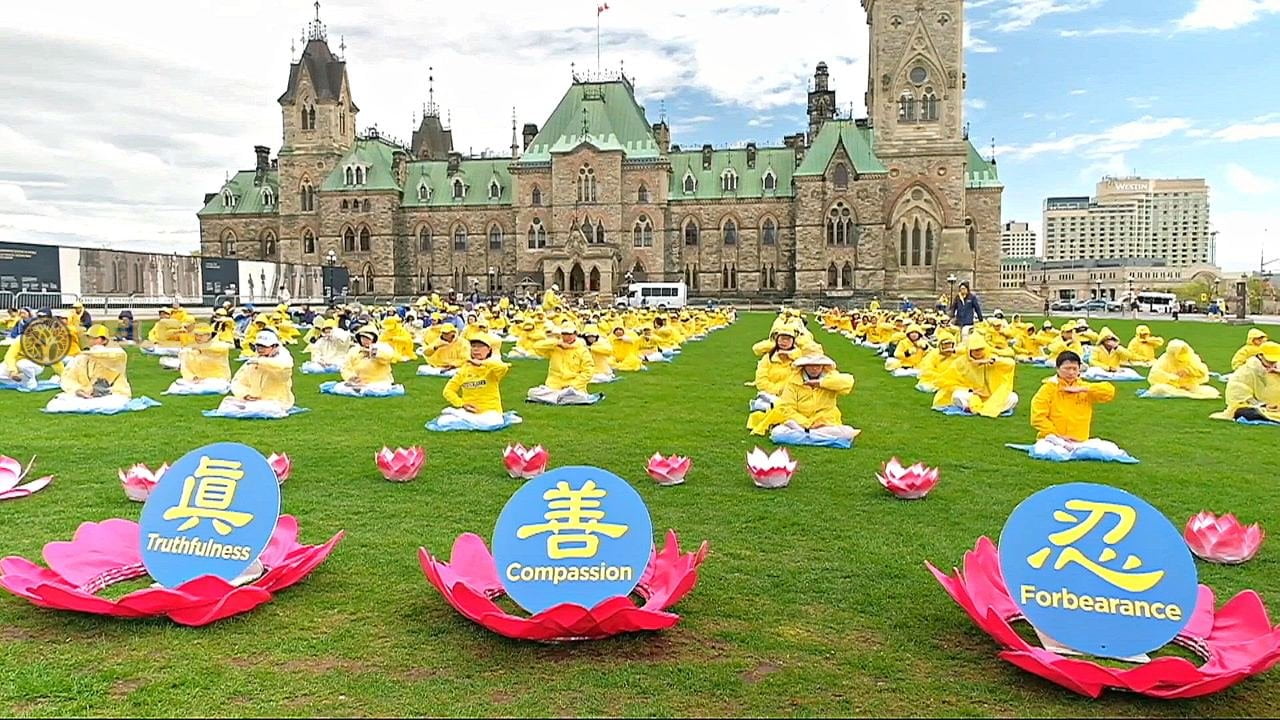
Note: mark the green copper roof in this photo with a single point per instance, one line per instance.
(375, 155)
(709, 183)
(857, 144)
(614, 121)
(476, 174)
(247, 197)
(979, 172)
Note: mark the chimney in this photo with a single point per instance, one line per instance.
(264, 157)
(751, 156)
(706, 157)
(398, 165)
(455, 162)
(662, 132)
(530, 132)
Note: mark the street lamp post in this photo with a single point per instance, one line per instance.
(1242, 297)
(951, 296)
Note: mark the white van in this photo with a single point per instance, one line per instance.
(671, 295)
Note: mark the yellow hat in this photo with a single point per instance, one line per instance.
(202, 329)
(1270, 351)
(493, 341)
(976, 342)
(567, 329)
(1255, 335)
(98, 331)
(591, 330)
(368, 330)
(447, 328)
(1142, 331)
(815, 359)
(1105, 333)
(1070, 327)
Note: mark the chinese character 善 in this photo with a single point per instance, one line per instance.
(1125, 578)
(573, 519)
(211, 497)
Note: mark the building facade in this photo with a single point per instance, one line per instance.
(1132, 218)
(1055, 280)
(891, 204)
(1018, 240)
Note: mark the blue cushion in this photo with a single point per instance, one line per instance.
(333, 388)
(135, 405)
(788, 436)
(242, 415)
(455, 424)
(1084, 454)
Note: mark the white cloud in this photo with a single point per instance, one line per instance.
(1143, 103)
(1226, 14)
(1108, 30)
(1259, 129)
(1243, 235)
(1022, 14)
(1079, 91)
(975, 103)
(1245, 181)
(1112, 141)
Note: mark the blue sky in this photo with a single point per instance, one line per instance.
(130, 118)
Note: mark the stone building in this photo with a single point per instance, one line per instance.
(894, 204)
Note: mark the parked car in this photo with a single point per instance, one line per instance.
(1096, 306)
(1063, 305)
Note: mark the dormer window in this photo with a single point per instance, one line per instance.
(228, 199)
(354, 174)
(729, 181)
(459, 189)
(690, 184)
(268, 197)
(770, 181)
(495, 189)
(424, 193)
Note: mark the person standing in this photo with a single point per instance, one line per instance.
(966, 310)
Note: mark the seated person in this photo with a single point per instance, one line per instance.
(1037, 344)
(601, 354)
(25, 373)
(204, 365)
(264, 384)
(978, 382)
(445, 355)
(1180, 373)
(1085, 334)
(1143, 346)
(935, 363)
(94, 379)
(1067, 340)
(395, 334)
(626, 350)
(367, 368)
(568, 373)
(808, 402)
(126, 328)
(668, 338)
(1253, 390)
(775, 369)
(908, 354)
(1063, 406)
(529, 334)
(474, 393)
(649, 350)
(1108, 359)
(328, 346)
(1255, 340)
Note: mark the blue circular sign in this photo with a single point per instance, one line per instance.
(577, 535)
(1098, 570)
(212, 513)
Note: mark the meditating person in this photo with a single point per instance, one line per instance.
(24, 373)
(601, 354)
(445, 355)
(1063, 406)
(1143, 346)
(366, 371)
(1067, 341)
(1180, 373)
(95, 379)
(126, 328)
(649, 350)
(978, 382)
(1253, 390)
(1255, 340)
(1108, 359)
(667, 338)
(1037, 344)
(263, 386)
(568, 373)
(935, 363)
(328, 346)
(396, 335)
(529, 334)
(551, 298)
(908, 353)
(626, 350)
(808, 404)
(474, 393)
(204, 364)
(775, 369)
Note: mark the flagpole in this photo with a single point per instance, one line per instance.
(598, 14)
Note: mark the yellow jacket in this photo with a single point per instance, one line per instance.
(1110, 360)
(395, 334)
(448, 354)
(166, 331)
(570, 367)
(1144, 345)
(1059, 346)
(809, 406)
(666, 337)
(1250, 348)
(933, 366)
(602, 355)
(1179, 367)
(368, 368)
(1253, 386)
(99, 363)
(206, 361)
(626, 352)
(910, 354)
(775, 370)
(1054, 411)
(477, 385)
(266, 378)
(993, 377)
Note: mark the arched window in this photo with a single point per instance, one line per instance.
(599, 232)
(928, 244)
(833, 276)
(907, 106)
(495, 237)
(917, 243)
(269, 243)
(593, 280)
(365, 238)
(691, 276)
(495, 189)
(228, 243)
(729, 181)
(268, 197)
(642, 232)
(770, 181)
(349, 240)
(642, 195)
(424, 239)
(350, 175)
(460, 238)
(360, 174)
(586, 184)
(973, 234)
(841, 176)
(769, 232)
(459, 189)
(690, 184)
(307, 196)
(344, 205)
(729, 233)
(929, 106)
(308, 114)
(537, 235)
(424, 192)
(364, 205)
(228, 199)
(536, 198)
(846, 275)
(368, 278)
(691, 232)
(308, 242)
(840, 227)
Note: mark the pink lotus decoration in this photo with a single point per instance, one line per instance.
(1222, 539)
(103, 554)
(140, 480)
(524, 463)
(669, 470)
(1236, 640)
(469, 582)
(772, 470)
(282, 465)
(400, 465)
(11, 476)
(908, 483)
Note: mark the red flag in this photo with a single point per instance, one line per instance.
(602, 8)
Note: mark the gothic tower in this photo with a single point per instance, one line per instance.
(822, 101)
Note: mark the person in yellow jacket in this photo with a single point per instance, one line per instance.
(94, 380)
(551, 299)
(264, 384)
(23, 374)
(1035, 345)
(1143, 346)
(530, 333)
(775, 370)
(474, 393)
(667, 337)
(649, 350)
(395, 334)
(224, 328)
(366, 371)
(1085, 334)
(1067, 340)
(626, 350)
(1253, 390)
(908, 353)
(808, 404)
(601, 354)
(935, 363)
(1255, 340)
(978, 382)
(328, 345)
(446, 355)
(1108, 359)
(1063, 406)
(569, 372)
(165, 336)
(283, 323)
(1180, 373)
(204, 364)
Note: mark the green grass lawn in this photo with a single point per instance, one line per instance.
(814, 600)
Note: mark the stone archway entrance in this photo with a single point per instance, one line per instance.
(577, 279)
(558, 278)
